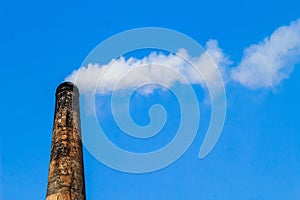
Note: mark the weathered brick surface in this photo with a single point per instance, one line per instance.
(66, 174)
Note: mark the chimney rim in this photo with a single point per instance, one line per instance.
(67, 86)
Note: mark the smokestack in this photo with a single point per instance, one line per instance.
(66, 174)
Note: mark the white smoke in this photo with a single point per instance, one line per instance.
(266, 64)
(87, 77)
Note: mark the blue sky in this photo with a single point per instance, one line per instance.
(257, 155)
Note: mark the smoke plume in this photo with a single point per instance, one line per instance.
(266, 64)
(88, 76)
(263, 65)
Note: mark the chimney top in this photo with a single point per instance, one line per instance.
(67, 86)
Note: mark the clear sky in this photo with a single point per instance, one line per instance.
(258, 153)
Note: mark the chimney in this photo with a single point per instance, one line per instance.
(66, 174)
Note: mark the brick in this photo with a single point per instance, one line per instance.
(66, 172)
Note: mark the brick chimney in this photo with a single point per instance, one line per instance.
(66, 174)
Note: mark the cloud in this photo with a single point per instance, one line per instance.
(266, 64)
(155, 68)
